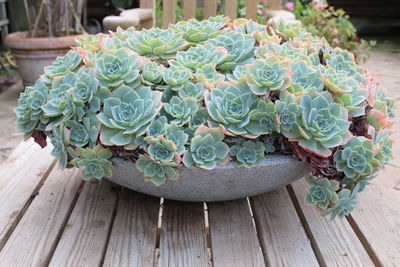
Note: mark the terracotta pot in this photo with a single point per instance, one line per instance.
(33, 54)
(225, 182)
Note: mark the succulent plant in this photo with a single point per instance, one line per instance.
(175, 77)
(268, 75)
(152, 73)
(117, 67)
(62, 66)
(155, 171)
(29, 110)
(322, 192)
(128, 114)
(240, 48)
(200, 55)
(95, 162)
(156, 43)
(229, 106)
(322, 123)
(195, 31)
(356, 158)
(203, 93)
(345, 205)
(207, 148)
(247, 153)
(181, 109)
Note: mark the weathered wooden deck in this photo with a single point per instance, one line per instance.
(51, 217)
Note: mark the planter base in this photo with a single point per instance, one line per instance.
(222, 183)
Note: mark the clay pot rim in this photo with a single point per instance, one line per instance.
(20, 41)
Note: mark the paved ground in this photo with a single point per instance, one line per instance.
(384, 62)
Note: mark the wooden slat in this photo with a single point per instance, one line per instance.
(335, 242)
(233, 235)
(210, 8)
(231, 9)
(376, 218)
(20, 175)
(147, 3)
(183, 235)
(189, 9)
(274, 4)
(134, 233)
(251, 9)
(168, 12)
(84, 239)
(281, 234)
(39, 229)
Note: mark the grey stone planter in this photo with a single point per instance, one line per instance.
(222, 183)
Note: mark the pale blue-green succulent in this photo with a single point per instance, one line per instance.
(85, 133)
(247, 153)
(175, 77)
(62, 66)
(322, 192)
(345, 205)
(192, 90)
(152, 73)
(209, 76)
(305, 78)
(155, 171)
(95, 162)
(181, 109)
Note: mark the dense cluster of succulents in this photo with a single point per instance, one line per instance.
(205, 93)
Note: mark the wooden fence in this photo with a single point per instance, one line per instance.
(210, 8)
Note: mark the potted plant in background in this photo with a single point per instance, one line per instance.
(53, 27)
(214, 110)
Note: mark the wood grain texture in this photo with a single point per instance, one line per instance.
(376, 217)
(233, 236)
(275, 4)
(189, 9)
(335, 241)
(147, 3)
(183, 235)
(231, 8)
(281, 234)
(39, 229)
(20, 175)
(251, 9)
(210, 8)
(84, 239)
(168, 12)
(134, 233)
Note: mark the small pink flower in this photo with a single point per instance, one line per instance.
(263, 1)
(335, 31)
(335, 40)
(356, 38)
(289, 5)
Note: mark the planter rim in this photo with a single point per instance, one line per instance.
(20, 41)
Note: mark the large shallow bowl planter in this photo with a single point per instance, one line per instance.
(225, 182)
(33, 54)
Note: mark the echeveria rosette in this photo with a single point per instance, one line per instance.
(152, 73)
(381, 115)
(345, 205)
(155, 171)
(322, 192)
(268, 75)
(289, 30)
(85, 133)
(289, 114)
(322, 125)
(200, 55)
(209, 76)
(175, 77)
(156, 43)
(177, 135)
(195, 31)
(337, 82)
(62, 66)
(305, 78)
(111, 43)
(29, 109)
(382, 144)
(90, 42)
(207, 149)
(238, 75)
(192, 90)
(356, 158)
(128, 114)
(163, 150)
(60, 141)
(123, 34)
(95, 162)
(240, 48)
(157, 127)
(263, 119)
(355, 101)
(117, 67)
(247, 26)
(247, 153)
(285, 50)
(229, 106)
(181, 109)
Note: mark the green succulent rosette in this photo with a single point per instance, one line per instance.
(305, 78)
(175, 77)
(62, 66)
(95, 162)
(356, 158)
(155, 171)
(322, 192)
(128, 114)
(209, 76)
(347, 201)
(207, 148)
(152, 73)
(181, 110)
(247, 153)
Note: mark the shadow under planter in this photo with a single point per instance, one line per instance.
(225, 182)
(33, 54)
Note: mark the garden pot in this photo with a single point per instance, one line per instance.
(225, 182)
(33, 54)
